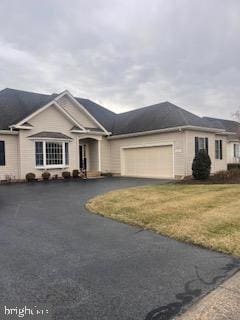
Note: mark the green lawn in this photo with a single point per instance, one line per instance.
(208, 215)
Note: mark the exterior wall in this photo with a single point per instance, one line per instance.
(230, 153)
(105, 155)
(76, 113)
(11, 156)
(177, 138)
(49, 120)
(217, 165)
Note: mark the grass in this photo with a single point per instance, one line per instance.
(206, 215)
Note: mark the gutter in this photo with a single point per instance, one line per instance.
(173, 129)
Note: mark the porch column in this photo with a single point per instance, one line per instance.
(99, 156)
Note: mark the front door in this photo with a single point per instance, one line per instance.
(83, 157)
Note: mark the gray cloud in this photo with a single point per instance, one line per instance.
(125, 54)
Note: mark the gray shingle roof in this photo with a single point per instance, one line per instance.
(50, 134)
(158, 116)
(15, 105)
(228, 125)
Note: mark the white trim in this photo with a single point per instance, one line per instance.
(122, 168)
(66, 92)
(88, 131)
(41, 139)
(23, 127)
(9, 132)
(143, 133)
(85, 136)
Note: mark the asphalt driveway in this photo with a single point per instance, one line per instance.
(91, 268)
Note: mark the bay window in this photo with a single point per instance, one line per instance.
(51, 154)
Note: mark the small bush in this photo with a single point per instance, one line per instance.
(46, 175)
(30, 177)
(66, 175)
(106, 174)
(222, 175)
(232, 166)
(201, 166)
(75, 173)
(227, 174)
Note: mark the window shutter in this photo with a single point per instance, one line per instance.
(196, 145)
(206, 144)
(235, 150)
(216, 149)
(2, 153)
(221, 150)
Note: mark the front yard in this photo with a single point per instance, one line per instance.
(207, 215)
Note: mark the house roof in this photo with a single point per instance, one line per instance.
(50, 134)
(15, 105)
(228, 125)
(155, 117)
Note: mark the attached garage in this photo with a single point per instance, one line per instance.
(147, 161)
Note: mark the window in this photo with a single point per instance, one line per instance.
(54, 153)
(39, 153)
(201, 144)
(218, 149)
(51, 154)
(2, 153)
(236, 150)
(66, 154)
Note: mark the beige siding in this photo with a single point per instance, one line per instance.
(11, 157)
(78, 114)
(177, 138)
(105, 155)
(49, 120)
(190, 150)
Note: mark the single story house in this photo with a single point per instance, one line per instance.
(60, 132)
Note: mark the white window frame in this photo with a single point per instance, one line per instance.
(52, 166)
(218, 150)
(237, 146)
(203, 141)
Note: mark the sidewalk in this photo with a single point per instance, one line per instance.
(221, 304)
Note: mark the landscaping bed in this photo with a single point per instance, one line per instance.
(206, 215)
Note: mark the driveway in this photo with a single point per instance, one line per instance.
(91, 268)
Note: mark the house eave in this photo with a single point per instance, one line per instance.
(9, 132)
(173, 129)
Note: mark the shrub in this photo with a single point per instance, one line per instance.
(227, 174)
(46, 175)
(30, 177)
(75, 173)
(106, 174)
(66, 175)
(201, 166)
(222, 175)
(232, 166)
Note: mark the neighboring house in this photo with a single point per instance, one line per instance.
(233, 140)
(59, 133)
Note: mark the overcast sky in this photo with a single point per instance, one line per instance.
(125, 54)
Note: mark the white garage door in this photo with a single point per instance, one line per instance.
(152, 162)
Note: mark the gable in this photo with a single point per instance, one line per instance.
(51, 119)
(78, 114)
